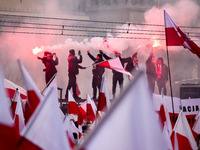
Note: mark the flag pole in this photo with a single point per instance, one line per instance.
(48, 83)
(170, 82)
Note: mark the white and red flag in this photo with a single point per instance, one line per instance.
(33, 93)
(69, 132)
(82, 112)
(196, 127)
(184, 134)
(103, 99)
(45, 129)
(14, 103)
(11, 88)
(114, 64)
(91, 109)
(19, 119)
(165, 121)
(176, 37)
(72, 105)
(74, 109)
(164, 116)
(130, 123)
(9, 137)
(83, 109)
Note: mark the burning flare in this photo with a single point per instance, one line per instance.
(37, 50)
(156, 43)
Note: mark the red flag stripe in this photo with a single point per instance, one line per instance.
(11, 92)
(9, 138)
(102, 105)
(73, 108)
(176, 37)
(90, 113)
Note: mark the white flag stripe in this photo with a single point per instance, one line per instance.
(19, 112)
(116, 65)
(45, 127)
(182, 127)
(104, 90)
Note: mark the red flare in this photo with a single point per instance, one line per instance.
(156, 43)
(37, 50)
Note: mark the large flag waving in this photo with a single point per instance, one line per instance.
(45, 128)
(114, 64)
(8, 135)
(33, 93)
(11, 88)
(176, 37)
(72, 105)
(129, 124)
(104, 101)
(91, 109)
(196, 127)
(184, 134)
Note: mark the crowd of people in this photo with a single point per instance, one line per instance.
(157, 72)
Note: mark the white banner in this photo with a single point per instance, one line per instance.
(189, 106)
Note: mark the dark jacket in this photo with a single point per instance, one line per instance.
(150, 67)
(164, 75)
(50, 65)
(73, 64)
(130, 65)
(97, 70)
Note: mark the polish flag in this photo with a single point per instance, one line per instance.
(103, 99)
(91, 109)
(184, 134)
(11, 89)
(114, 64)
(82, 113)
(14, 103)
(176, 37)
(33, 93)
(164, 116)
(19, 119)
(83, 109)
(74, 109)
(130, 123)
(45, 128)
(72, 105)
(165, 122)
(68, 128)
(9, 136)
(196, 127)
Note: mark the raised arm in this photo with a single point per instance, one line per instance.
(56, 60)
(80, 58)
(90, 55)
(104, 55)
